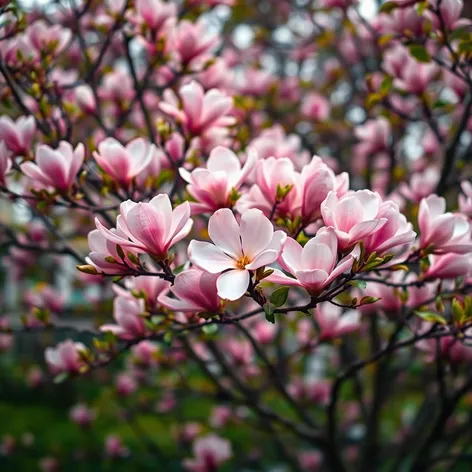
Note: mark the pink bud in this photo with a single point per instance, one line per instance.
(55, 168)
(18, 135)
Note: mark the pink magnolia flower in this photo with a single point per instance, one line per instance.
(394, 237)
(151, 227)
(123, 163)
(56, 168)
(448, 266)
(46, 296)
(374, 136)
(273, 142)
(421, 184)
(390, 297)
(85, 99)
(416, 76)
(212, 187)
(272, 174)
(19, 51)
(49, 464)
(81, 414)
(465, 198)
(342, 4)
(65, 357)
(48, 37)
(310, 461)
(333, 323)
(255, 82)
(145, 353)
(317, 181)
(314, 266)
(451, 349)
(218, 75)
(394, 59)
(101, 249)
(18, 135)
(264, 332)
(114, 447)
(310, 390)
(237, 249)
(316, 107)
(450, 14)
(5, 163)
(117, 86)
(444, 232)
(148, 288)
(353, 216)
(192, 42)
(457, 84)
(403, 21)
(221, 415)
(240, 351)
(209, 452)
(125, 384)
(154, 13)
(211, 3)
(200, 111)
(195, 291)
(126, 312)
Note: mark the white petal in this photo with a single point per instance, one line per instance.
(209, 257)
(233, 284)
(224, 232)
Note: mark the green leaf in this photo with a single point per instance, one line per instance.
(440, 104)
(269, 312)
(465, 46)
(460, 33)
(368, 300)
(62, 377)
(421, 7)
(120, 252)
(457, 310)
(358, 283)
(431, 316)
(387, 85)
(211, 328)
(420, 53)
(388, 7)
(179, 269)
(279, 296)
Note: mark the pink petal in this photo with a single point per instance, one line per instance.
(313, 280)
(52, 164)
(34, 172)
(291, 258)
(180, 217)
(278, 277)
(366, 228)
(223, 159)
(318, 256)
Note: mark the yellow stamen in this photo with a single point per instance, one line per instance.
(241, 264)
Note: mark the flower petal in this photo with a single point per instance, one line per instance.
(232, 285)
(209, 258)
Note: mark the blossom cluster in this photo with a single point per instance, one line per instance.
(237, 209)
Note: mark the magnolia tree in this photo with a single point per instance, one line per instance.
(268, 207)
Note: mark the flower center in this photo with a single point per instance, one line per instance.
(241, 263)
